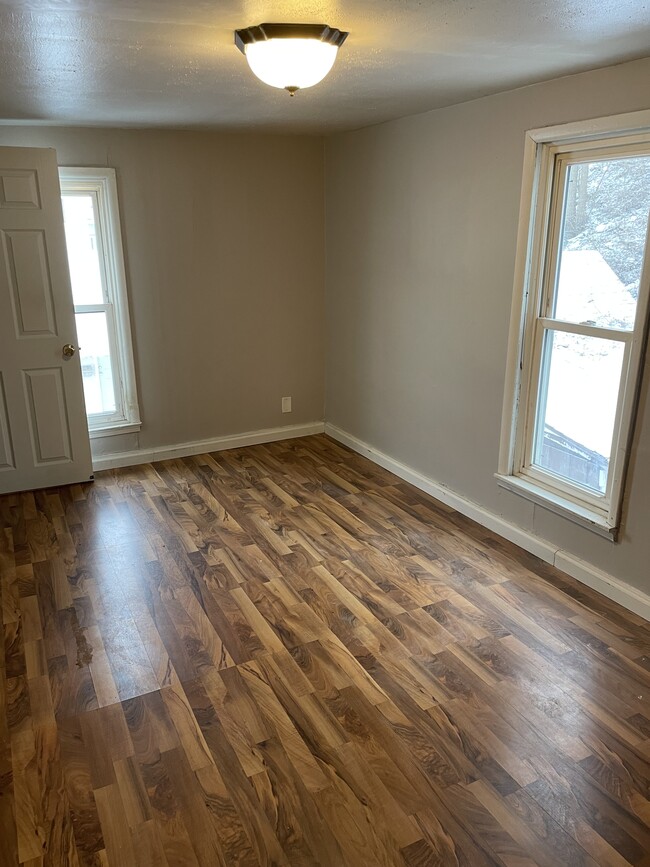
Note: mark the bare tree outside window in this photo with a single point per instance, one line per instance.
(607, 208)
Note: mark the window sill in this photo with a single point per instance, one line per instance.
(585, 517)
(115, 429)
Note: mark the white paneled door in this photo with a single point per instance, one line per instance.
(43, 430)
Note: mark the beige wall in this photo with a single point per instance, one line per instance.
(421, 230)
(223, 238)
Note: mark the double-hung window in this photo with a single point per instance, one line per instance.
(579, 318)
(92, 230)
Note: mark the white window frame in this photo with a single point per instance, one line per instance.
(101, 184)
(537, 242)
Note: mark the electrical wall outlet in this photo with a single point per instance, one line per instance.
(286, 404)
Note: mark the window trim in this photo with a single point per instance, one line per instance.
(101, 181)
(541, 147)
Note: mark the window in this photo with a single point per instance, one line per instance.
(579, 319)
(92, 231)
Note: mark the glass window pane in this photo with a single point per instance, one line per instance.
(606, 209)
(83, 252)
(579, 386)
(96, 368)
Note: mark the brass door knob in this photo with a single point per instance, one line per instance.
(68, 350)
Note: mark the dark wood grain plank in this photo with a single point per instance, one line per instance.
(284, 655)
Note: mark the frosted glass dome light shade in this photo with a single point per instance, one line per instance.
(290, 56)
(291, 62)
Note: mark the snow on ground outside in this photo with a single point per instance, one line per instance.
(585, 372)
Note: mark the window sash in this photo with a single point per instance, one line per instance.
(100, 185)
(545, 297)
(549, 153)
(93, 191)
(562, 162)
(107, 419)
(530, 427)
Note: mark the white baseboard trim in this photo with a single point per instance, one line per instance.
(613, 588)
(199, 447)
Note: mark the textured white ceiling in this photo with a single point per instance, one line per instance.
(173, 62)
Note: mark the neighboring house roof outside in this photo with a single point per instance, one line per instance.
(570, 445)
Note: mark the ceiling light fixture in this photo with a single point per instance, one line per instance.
(290, 56)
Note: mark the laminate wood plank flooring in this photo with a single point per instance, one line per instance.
(284, 655)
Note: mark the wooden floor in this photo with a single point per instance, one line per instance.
(283, 655)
